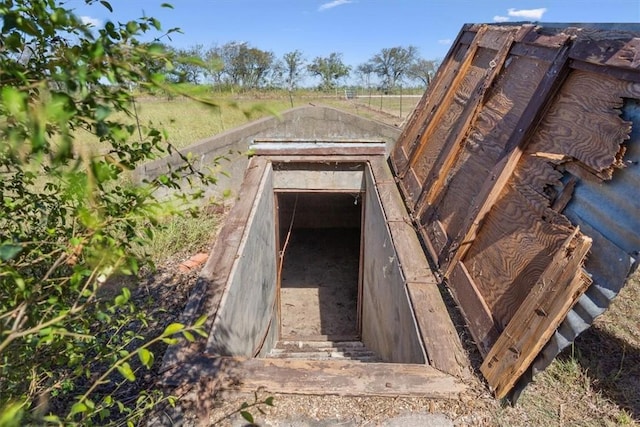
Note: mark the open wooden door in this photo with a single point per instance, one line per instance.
(516, 117)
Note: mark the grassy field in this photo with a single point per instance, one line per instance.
(593, 383)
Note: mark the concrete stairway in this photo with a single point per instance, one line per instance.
(323, 350)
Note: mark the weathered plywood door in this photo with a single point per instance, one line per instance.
(513, 264)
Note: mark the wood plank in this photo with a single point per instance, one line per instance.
(474, 309)
(413, 264)
(447, 157)
(515, 245)
(546, 306)
(485, 142)
(210, 286)
(429, 102)
(625, 74)
(584, 123)
(503, 170)
(374, 150)
(439, 335)
(452, 115)
(627, 56)
(458, 78)
(344, 378)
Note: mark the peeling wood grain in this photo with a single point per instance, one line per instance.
(501, 172)
(514, 246)
(485, 143)
(546, 305)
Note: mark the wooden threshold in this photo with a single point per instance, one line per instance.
(344, 378)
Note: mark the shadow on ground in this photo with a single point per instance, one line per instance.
(612, 364)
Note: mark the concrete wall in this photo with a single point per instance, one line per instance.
(302, 123)
(388, 325)
(247, 307)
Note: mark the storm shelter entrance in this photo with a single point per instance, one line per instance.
(319, 240)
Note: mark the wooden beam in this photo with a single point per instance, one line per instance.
(474, 308)
(439, 335)
(546, 306)
(434, 183)
(502, 171)
(442, 108)
(427, 105)
(343, 378)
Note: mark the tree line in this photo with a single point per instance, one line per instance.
(240, 65)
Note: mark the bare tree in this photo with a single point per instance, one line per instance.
(391, 64)
(423, 70)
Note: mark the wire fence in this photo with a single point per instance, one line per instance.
(397, 104)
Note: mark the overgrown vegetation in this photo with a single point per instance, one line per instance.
(69, 221)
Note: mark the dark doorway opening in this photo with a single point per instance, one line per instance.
(319, 240)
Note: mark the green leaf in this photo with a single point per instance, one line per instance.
(8, 251)
(269, 401)
(107, 5)
(172, 329)
(189, 336)
(201, 320)
(146, 357)
(126, 371)
(247, 416)
(78, 408)
(11, 415)
(167, 5)
(170, 341)
(13, 100)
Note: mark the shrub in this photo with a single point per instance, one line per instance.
(69, 219)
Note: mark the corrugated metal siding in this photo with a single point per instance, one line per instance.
(612, 208)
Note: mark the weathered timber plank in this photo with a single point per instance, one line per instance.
(438, 333)
(414, 266)
(625, 74)
(562, 200)
(618, 52)
(486, 142)
(474, 309)
(584, 123)
(429, 103)
(448, 92)
(501, 172)
(209, 289)
(540, 314)
(437, 237)
(454, 110)
(344, 378)
(434, 184)
(628, 56)
(374, 150)
(515, 245)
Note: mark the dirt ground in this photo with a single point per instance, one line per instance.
(319, 289)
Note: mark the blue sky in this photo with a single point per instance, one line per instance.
(356, 28)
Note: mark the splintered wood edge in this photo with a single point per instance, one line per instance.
(546, 306)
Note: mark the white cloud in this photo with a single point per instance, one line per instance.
(332, 4)
(444, 41)
(88, 20)
(534, 14)
(499, 18)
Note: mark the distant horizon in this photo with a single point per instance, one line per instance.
(357, 29)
